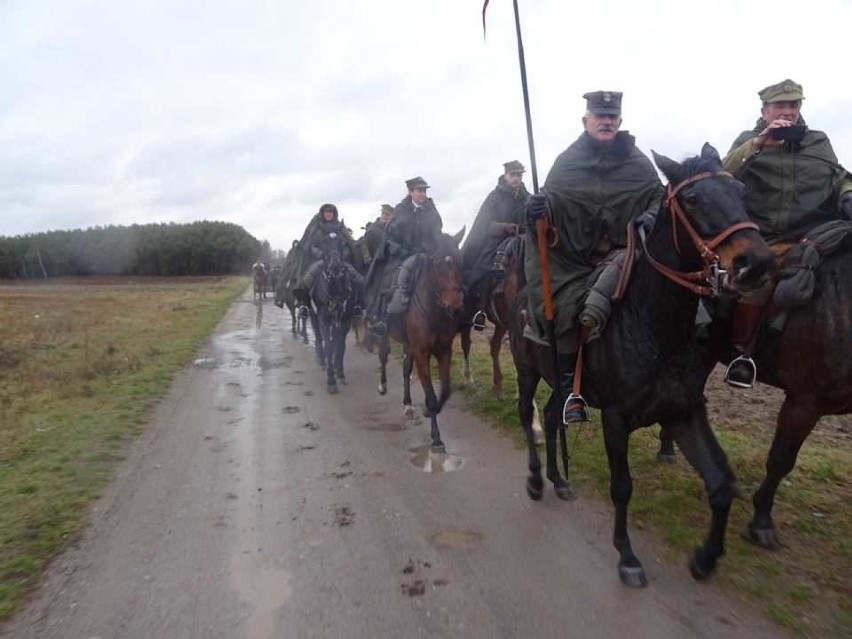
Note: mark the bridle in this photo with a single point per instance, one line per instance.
(711, 279)
(434, 285)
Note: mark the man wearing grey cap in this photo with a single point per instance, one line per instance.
(499, 218)
(793, 184)
(595, 189)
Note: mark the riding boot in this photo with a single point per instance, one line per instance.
(401, 296)
(575, 410)
(742, 371)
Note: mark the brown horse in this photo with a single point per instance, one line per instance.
(260, 283)
(428, 327)
(810, 359)
(646, 367)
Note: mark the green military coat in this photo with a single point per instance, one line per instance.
(593, 192)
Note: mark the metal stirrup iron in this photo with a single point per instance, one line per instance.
(744, 361)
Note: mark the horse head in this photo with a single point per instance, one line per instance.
(445, 271)
(704, 213)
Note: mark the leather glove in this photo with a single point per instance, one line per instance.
(536, 208)
(844, 205)
(646, 222)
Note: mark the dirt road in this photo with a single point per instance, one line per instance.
(256, 505)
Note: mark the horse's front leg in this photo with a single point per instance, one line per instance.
(701, 449)
(384, 351)
(796, 420)
(407, 366)
(552, 415)
(327, 329)
(421, 360)
(464, 334)
(527, 384)
(616, 438)
(496, 372)
(319, 339)
(666, 453)
(445, 358)
(341, 330)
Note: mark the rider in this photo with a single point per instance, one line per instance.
(376, 232)
(594, 190)
(415, 228)
(793, 183)
(500, 217)
(323, 228)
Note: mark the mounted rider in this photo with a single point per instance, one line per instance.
(500, 217)
(325, 232)
(375, 233)
(793, 184)
(595, 189)
(415, 228)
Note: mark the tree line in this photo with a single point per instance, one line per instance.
(197, 248)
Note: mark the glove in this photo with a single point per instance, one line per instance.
(844, 205)
(645, 222)
(536, 208)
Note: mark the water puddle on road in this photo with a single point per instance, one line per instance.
(427, 461)
(456, 538)
(206, 362)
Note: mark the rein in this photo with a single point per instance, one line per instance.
(708, 281)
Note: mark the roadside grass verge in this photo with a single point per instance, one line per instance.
(806, 587)
(81, 362)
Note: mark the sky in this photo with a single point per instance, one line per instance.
(257, 112)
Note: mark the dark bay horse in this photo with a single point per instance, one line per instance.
(810, 359)
(284, 295)
(334, 295)
(428, 327)
(646, 367)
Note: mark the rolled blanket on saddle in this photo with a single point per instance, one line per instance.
(597, 306)
(797, 280)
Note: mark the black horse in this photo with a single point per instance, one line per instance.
(284, 295)
(333, 295)
(646, 367)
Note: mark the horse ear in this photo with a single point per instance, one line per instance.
(671, 169)
(457, 238)
(709, 152)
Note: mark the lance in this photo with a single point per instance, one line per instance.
(542, 232)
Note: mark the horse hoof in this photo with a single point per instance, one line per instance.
(763, 537)
(332, 389)
(535, 488)
(409, 411)
(341, 379)
(383, 389)
(564, 492)
(701, 567)
(666, 458)
(439, 449)
(426, 412)
(632, 576)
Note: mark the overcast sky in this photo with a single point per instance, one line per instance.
(255, 113)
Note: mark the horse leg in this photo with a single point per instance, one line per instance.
(464, 333)
(796, 420)
(329, 346)
(444, 362)
(616, 439)
(527, 383)
(421, 360)
(340, 332)
(552, 415)
(496, 372)
(667, 452)
(538, 431)
(319, 339)
(384, 351)
(294, 322)
(407, 365)
(699, 445)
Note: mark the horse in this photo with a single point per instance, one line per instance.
(428, 327)
(810, 359)
(284, 296)
(646, 368)
(260, 282)
(334, 295)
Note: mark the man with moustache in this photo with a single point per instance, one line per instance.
(595, 189)
(793, 184)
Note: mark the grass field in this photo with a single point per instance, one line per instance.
(81, 361)
(807, 586)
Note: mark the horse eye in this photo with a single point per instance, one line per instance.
(691, 200)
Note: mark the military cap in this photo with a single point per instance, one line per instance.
(784, 91)
(603, 102)
(416, 183)
(387, 208)
(514, 165)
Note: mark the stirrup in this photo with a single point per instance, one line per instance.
(575, 410)
(358, 312)
(479, 321)
(745, 363)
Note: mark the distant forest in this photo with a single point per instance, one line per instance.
(199, 248)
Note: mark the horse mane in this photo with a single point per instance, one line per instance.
(697, 164)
